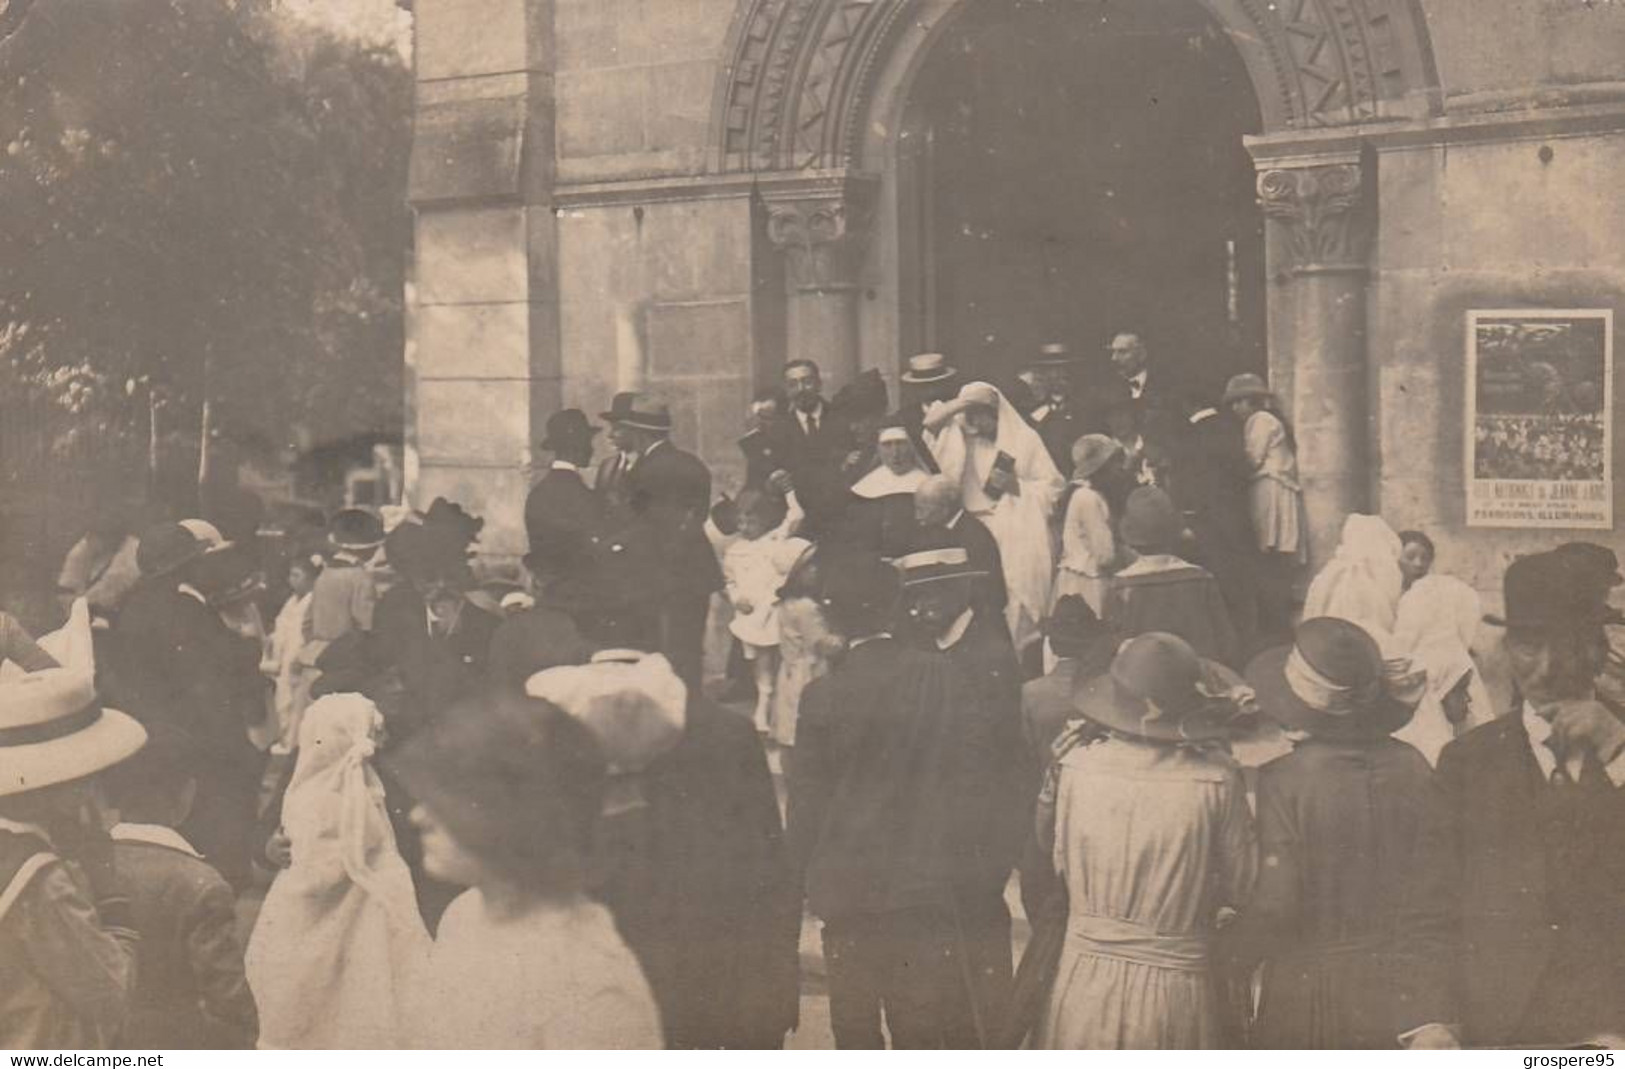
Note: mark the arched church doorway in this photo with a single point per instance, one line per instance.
(1077, 169)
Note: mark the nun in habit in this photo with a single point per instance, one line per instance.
(882, 516)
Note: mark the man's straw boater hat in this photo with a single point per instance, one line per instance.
(928, 367)
(52, 729)
(934, 565)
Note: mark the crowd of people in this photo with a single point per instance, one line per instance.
(1548, 448)
(1041, 637)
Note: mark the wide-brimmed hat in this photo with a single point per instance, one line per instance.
(1335, 681)
(52, 729)
(1093, 452)
(936, 565)
(567, 429)
(166, 547)
(639, 410)
(634, 704)
(1157, 689)
(1151, 520)
(1556, 589)
(1245, 385)
(355, 529)
(927, 368)
(1053, 354)
(863, 398)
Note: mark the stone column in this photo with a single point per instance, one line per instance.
(1323, 217)
(484, 369)
(821, 226)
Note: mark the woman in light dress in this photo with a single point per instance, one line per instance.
(1089, 548)
(1437, 624)
(1275, 497)
(1153, 838)
(1009, 482)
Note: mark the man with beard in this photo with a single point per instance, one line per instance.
(940, 588)
(813, 443)
(1513, 931)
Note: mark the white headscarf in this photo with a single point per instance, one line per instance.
(1362, 582)
(339, 941)
(1438, 623)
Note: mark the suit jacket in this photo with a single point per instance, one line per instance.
(190, 989)
(1159, 410)
(561, 515)
(1211, 485)
(611, 485)
(1485, 928)
(815, 463)
(669, 494)
(436, 670)
(981, 552)
(702, 889)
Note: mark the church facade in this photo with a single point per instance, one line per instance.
(680, 195)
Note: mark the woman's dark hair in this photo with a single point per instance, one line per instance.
(1417, 538)
(517, 781)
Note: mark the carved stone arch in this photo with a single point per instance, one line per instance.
(793, 93)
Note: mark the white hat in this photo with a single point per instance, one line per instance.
(634, 703)
(52, 730)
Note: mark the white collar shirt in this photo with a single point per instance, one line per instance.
(1539, 730)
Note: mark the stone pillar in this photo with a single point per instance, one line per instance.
(484, 364)
(1321, 214)
(821, 225)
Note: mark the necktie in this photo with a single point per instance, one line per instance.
(812, 424)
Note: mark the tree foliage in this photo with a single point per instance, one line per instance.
(200, 195)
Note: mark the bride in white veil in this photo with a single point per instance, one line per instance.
(1008, 481)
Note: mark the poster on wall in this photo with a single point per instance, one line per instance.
(1540, 418)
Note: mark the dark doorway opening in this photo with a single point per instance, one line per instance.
(1083, 173)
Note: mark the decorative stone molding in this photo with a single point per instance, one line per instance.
(11, 16)
(1325, 211)
(800, 73)
(821, 226)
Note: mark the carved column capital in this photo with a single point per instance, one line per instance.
(823, 228)
(1325, 211)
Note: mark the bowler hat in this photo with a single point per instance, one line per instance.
(1556, 589)
(1334, 681)
(1600, 562)
(1052, 354)
(167, 547)
(928, 367)
(356, 529)
(52, 729)
(1157, 689)
(1245, 385)
(567, 429)
(1150, 520)
(639, 410)
(1092, 452)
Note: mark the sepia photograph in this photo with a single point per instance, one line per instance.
(819, 525)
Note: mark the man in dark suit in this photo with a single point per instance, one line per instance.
(1513, 931)
(941, 522)
(668, 496)
(610, 482)
(1156, 406)
(175, 665)
(928, 380)
(562, 513)
(1044, 395)
(813, 443)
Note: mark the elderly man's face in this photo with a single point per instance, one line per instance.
(1128, 355)
(932, 510)
(623, 438)
(804, 387)
(1552, 667)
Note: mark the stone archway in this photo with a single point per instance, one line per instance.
(813, 102)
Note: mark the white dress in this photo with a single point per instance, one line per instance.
(1276, 497)
(1152, 841)
(1087, 547)
(755, 569)
(557, 978)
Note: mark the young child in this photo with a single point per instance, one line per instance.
(67, 957)
(190, 991)
(1089, 551)
(755, 567)
(282, 659)
(339, 942)
(510, 790)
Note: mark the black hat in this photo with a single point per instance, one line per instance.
(1073, 622)
(1599, 562)
(1334, 682)
(1053, 354)
(449, 520)
(638, 410)
(566, 429)
(862, 398)
(167, 547)
(355, 529)
(1556, 589)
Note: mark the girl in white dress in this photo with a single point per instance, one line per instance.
(754, 568)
